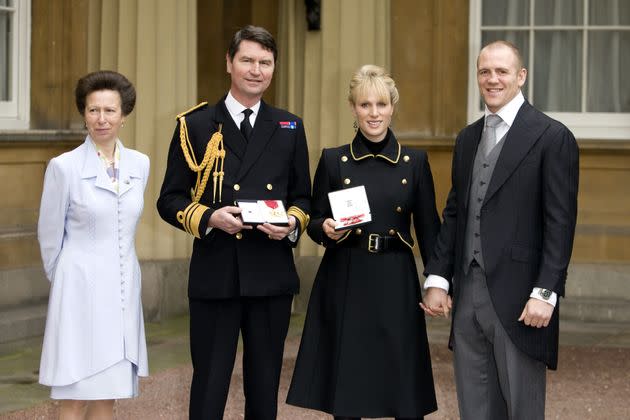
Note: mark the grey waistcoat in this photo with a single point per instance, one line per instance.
(481, 176)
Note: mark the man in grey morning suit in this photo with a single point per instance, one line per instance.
(504, 246)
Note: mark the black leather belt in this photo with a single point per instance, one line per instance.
(374, 242)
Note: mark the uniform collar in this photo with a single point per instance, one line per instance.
(391, 151)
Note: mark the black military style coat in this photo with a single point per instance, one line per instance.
(272, 165)
(364, 349)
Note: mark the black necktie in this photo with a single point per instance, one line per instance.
(246, 126)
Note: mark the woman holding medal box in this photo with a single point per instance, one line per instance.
(364, 349)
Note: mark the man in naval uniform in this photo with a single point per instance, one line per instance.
(242, 278)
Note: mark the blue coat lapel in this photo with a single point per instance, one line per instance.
(93, 168)
(261, 135)
(232, 138)
(128, 169)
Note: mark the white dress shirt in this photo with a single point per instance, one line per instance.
(235, 108)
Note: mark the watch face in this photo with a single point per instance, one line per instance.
(545, 293)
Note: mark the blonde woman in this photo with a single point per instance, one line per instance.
(364, 350)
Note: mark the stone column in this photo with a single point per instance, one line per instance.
(315, 68)
(153, 43)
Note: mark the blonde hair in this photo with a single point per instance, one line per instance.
(371, 78)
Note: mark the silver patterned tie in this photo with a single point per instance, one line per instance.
(489, 136)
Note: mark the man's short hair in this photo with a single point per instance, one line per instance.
(256, 34)
(514, 48)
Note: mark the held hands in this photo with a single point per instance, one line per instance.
(436, 302)
(536, 313)
(329, 229)
(277, 232)
(227, 219)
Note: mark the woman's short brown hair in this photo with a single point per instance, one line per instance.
(106, 80)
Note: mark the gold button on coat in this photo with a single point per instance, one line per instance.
(406, 158)
(358, 231)
(346, 181)
(404, 181)
(399, 209)
(269, 187)
(237, 187)
(239, 235)
(344, 158)
(392, 232)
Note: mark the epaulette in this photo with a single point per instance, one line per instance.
(213, 157)
(191, 109)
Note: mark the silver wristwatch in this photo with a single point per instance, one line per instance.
(545, 293)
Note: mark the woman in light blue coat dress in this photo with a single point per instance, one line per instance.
(94, 344)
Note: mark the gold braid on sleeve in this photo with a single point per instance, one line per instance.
(301, 216)
(213, 157)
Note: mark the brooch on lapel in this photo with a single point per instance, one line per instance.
(291, 125)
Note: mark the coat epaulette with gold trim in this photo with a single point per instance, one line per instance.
(191, 110)
(213, 158)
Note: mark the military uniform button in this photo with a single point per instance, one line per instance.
(269, 187)
(237, 187)
(392, 232)
(239, 235)
(406, 158)
(399, 209)
(344, 158)
(404, 181)
(358, 231)
(346, 181)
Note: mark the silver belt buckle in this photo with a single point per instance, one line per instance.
(373, 245)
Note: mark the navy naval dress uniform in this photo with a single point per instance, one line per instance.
(364, 349)
(242, 282)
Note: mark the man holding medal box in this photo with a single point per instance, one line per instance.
(242, 277)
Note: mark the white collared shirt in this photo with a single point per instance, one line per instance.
(235, 108)
(508, 115)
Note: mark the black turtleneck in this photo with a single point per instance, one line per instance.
(374, 147)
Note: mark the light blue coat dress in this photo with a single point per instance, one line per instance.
(86, 233)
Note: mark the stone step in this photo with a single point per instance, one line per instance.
(595, 309)
(22, 322)
(23, 286)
